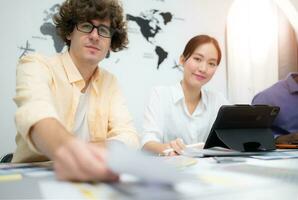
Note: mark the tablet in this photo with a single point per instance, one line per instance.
(243, 128)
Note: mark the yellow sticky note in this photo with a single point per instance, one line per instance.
(10, 177)
(87, 193)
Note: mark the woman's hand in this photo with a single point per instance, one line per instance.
(177, 145)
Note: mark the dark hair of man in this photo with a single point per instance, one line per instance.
(197, 41)
(76, 11)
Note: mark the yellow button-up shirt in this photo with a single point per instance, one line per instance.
(50, 88)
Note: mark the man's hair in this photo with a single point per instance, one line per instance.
(72, 12)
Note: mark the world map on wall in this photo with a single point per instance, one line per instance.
(150, 23)
(48, 28)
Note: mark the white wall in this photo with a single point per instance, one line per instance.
(134, 67)
(295, 4)
(20, 21)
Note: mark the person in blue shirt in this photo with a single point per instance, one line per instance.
(283, 94)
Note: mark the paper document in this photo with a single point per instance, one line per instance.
(180, 162)
(146, 167)
(278, 155)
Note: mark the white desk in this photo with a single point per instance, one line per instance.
(252, 179)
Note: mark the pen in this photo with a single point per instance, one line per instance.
(228, 159)
(168, 151)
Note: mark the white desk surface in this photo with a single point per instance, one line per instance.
(251, 179)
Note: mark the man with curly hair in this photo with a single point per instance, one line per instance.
(68, 107)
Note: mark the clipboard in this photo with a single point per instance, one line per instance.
(244, 128)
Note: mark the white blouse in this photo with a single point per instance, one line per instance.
(166, 116)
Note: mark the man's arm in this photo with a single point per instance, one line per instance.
(73, 158)
(120, 124)
(152, 134)
(281, 135)
(38, 123)
(262, 99)
(291, 138)
(48, 135)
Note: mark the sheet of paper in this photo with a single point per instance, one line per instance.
(146, 167)
(59, 190)
(71, 190)
(277, 155)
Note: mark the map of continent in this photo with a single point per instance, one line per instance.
(151, 23)
(48, 28)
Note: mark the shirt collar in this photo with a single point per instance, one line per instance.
(291, 82)
(95, 78)
(178, 94)
(204, 97)
(73, 73)
(71, 70)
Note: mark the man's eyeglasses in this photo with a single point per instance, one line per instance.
(102, 30)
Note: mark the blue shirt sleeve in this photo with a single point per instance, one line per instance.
(262, 98)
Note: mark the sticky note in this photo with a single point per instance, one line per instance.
(10, 177)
